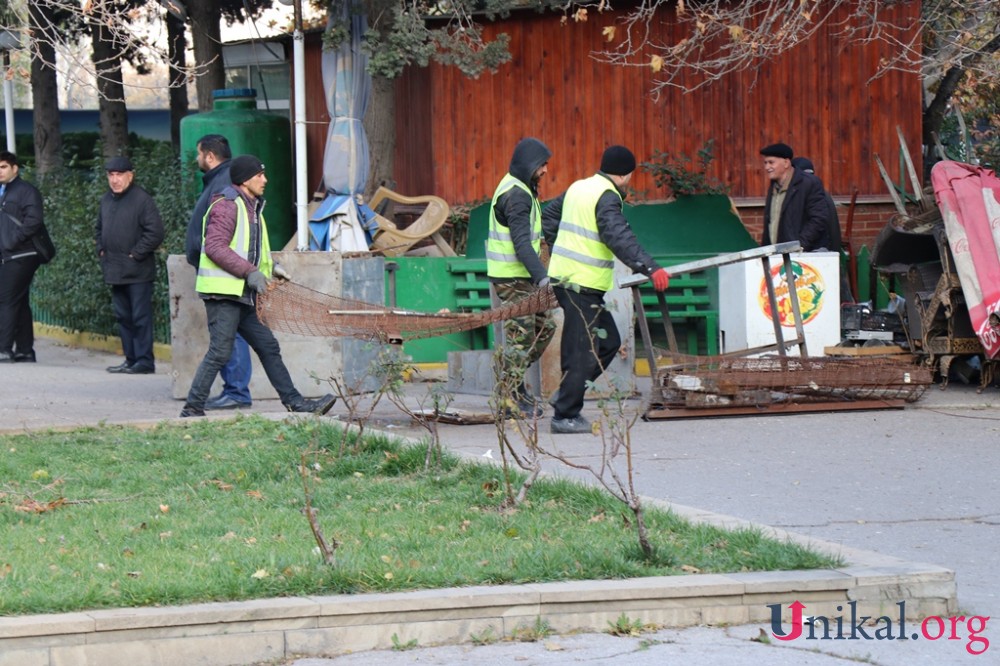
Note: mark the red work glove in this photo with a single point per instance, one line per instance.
(661, 280)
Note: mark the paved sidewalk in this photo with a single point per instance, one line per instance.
(917, 483)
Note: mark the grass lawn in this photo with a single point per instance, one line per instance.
(113, 517)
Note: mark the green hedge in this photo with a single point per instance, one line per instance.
(70, 291)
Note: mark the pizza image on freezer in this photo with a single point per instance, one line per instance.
(809, 288)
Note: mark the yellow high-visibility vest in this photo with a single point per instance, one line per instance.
(578, 256)
(212, 279)
(501, 258)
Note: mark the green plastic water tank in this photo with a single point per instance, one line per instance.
(234, 115)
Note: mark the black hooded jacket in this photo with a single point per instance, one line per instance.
(513, 207)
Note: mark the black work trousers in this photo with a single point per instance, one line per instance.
(226, 318)
(133, 306)
(585, 353)
(16, 332)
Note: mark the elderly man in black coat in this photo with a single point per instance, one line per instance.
(128, 232)
(796, 207)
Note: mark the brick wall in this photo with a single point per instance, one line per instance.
(869, 218)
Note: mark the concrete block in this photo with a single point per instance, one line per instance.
(657, 587)
(120, 619)
(471, 372)
(333, 641)
(45, 625)
(217, 650)
(426, 600)
(792, 581)
(304, 356)
(31, 657)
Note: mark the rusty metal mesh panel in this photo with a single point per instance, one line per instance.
(293, 308)
(705, 381)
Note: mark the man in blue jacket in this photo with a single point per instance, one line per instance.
(214, 155)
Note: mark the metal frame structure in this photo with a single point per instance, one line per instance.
(762, 253)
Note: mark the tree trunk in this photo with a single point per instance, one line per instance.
(178, 89)
(111, 93)
(380, 119)
(205, 17)
(45, 99)
(935, 111)
(380, 126)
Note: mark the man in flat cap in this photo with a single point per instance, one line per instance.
(796, 207)
(587, 229)
(129, 230)
(234, 267)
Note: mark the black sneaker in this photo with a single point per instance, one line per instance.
(573, 426)
(190, 411)
(25, 357)
(318, 407)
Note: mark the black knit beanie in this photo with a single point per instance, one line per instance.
(618, 161)
(243, 168)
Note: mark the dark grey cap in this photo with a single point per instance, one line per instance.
(120, 163)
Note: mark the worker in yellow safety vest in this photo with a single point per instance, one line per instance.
(515, 269)
(592, 231)
(234, 268)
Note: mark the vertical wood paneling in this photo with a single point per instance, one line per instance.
(816, 98)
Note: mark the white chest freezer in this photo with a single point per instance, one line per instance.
(745, 317)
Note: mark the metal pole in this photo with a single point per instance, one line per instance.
(301, 162)
(8, 102)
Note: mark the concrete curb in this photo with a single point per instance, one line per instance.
(221, 634)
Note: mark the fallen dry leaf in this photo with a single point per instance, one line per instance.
(690, 569)
(256, 494)
(34, 506)
(260, 573)
(164, 508)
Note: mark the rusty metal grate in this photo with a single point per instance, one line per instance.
(293, 308)
(701, 381)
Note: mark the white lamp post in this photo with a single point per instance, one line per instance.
(8, 42)
(301, 160)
